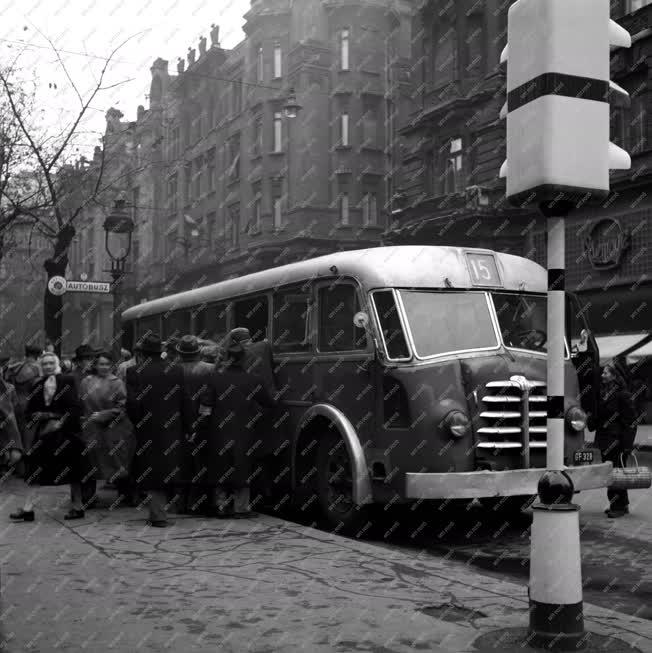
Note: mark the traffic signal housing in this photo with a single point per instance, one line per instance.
(558, 92)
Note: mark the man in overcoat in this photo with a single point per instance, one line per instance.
(82, 367)
(259, 361)
(196, 375)
(160, 411)
(234, 408)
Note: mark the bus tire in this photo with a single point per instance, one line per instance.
(335, 489)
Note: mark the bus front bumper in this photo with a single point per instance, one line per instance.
(513, 482)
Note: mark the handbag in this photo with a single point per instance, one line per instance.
(630, 478)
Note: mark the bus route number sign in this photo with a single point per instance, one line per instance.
(483, 270)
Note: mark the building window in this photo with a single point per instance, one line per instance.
(370, 209)
(172, 193)
(233, 226)
(236, 98)
(278, 61)
(344, 129)
(638, 124)
(277, 210)
(444, 55)
(255, 225)
(187, 182)
(344, 49)
(197, 178)
(234, 158)
(475, 46)
(370, 124)
(257, 137)
(176, 143)
(344, 209)
(210, 227)
(278, 132)
(211, 173)
(453, 180)
(260, 64)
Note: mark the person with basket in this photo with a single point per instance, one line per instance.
(616, 431)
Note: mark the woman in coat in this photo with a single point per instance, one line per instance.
(107, 431)
(616, 431)
(11, 447)
(233, 408)
(57, 455)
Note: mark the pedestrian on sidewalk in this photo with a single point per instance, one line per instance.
(83, 367)
(57, 456)
(196, 374)
(259, 361)
(233, 409)
(11, 445)
(158, 409)
(616, 431)
(107, 431)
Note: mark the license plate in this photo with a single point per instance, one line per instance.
(583, 457)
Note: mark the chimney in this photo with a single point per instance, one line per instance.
(191, 56)
(181, 64)
(215, 36)
(202, 46)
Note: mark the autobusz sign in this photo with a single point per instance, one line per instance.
(59, 285)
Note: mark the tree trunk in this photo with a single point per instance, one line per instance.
(52, 304)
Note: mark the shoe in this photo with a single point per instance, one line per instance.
(74, 514)
(613, 514)
(22, 515)
(158, 523)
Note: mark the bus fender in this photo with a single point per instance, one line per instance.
(361, 481)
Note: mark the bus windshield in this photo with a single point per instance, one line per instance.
(445, 322)
(522, 320)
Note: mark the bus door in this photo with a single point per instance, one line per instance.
(584, 353)
(293, 346)
(344, 371)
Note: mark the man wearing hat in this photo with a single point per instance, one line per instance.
(233, 408)
(159, 409)
(82, 367)
(196, 375)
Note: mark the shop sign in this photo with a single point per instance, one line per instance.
(606, 243)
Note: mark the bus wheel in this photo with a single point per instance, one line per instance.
(335, 489)
(508, 506)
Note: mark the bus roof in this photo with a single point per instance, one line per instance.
(401, 266)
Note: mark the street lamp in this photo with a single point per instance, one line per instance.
(118, 229)
(291, 110)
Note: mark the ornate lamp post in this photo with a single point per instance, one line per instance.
(118, 229)
(291, 109)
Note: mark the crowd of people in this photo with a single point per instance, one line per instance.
(176, 423)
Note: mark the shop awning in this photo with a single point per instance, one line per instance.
(644, 351)
(611, 346)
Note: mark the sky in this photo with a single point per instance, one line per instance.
(85, 34)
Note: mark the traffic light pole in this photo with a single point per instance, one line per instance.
(555, 590)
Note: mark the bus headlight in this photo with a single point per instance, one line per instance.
(457, 423)
(576, 418)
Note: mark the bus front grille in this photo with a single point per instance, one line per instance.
(502, 412)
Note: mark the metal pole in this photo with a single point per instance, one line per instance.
(556, 328)
(117, 274)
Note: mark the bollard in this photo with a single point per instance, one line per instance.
(555, 591)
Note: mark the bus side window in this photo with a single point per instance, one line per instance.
(390, 323)
(211, 321)
(176, 324)
(253, 314)
(291, 313)
(338, 304)
(149, 324)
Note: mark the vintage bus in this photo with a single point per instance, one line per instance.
(404, 373)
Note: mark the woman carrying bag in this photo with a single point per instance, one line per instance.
(57, 455)
(107, 431)
(616, 431)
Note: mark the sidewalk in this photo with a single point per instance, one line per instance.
(110, 583)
